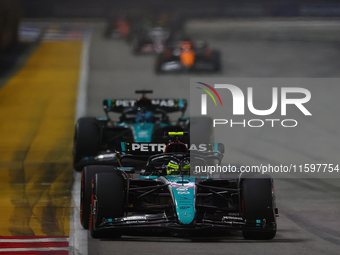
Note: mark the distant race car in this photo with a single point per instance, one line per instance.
(168, 194)
(142, 120)
(118, 28)
(150, 35)
(188, 56)
(148, 39)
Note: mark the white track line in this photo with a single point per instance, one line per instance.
(34, 240)
(78, 235)
(34, 249)
(83, 80)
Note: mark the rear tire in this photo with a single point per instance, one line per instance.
(86, 192)
(135, 46)
(258, 204)
(158, 63)
(108, 190)
(215, 57)
(86, 140)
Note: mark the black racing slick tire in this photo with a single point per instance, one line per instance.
(201, 130)
(136, 45)
(86, 140)
(108, 201)
(215, 58)
(86, 191)
(258, 203)
(158, 63)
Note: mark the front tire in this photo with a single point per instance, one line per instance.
(215, 58)
(109, 193)
(258, 203)
(86, 140)
(135, 46)
(158, 63)
(85, 194)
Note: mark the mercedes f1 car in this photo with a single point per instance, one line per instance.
(169, 195)
(188, 56)
(142, 120)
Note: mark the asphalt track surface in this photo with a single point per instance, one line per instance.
(308, 208)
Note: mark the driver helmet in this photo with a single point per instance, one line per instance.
(172, 167)
(147, 117)
(139, 117)
(186, 45)
(185, 165)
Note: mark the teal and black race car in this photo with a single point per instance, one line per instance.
(169, 195)
(143, 120)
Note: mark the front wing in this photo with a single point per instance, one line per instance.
(162, 222)
(176, 66)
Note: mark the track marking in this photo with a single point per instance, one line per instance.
(83, 80)
(78, 235)
(16, 239)
(34, 245)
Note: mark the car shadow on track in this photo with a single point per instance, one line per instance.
(233, 237)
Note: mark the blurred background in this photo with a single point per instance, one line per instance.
(187, 8)
(11, 11)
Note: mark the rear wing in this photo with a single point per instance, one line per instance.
(154, 148)
(166, 105)
(141, 152)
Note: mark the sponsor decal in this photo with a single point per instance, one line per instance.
(228, 218)
(160, 147)
(157, 102)
(182, 188)
(183, 198)
(186, 202)
(171, 66)
(185, 214)
(184, 207)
